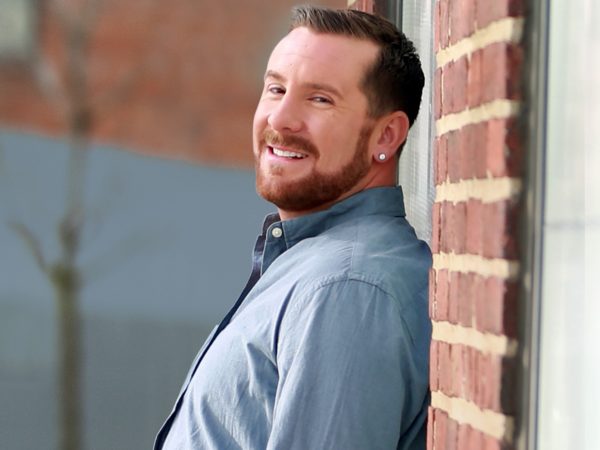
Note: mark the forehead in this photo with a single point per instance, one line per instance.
(305, 54)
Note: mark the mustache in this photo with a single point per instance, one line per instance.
(273, 138)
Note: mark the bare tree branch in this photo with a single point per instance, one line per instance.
(32, 243)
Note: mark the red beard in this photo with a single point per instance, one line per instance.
(317, 188)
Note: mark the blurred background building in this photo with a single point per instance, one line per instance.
(127, 205)
(128, 212)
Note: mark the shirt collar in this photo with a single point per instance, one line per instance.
(375, 201)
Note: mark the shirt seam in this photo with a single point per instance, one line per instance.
(349, 276)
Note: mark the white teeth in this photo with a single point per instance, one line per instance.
(287, 154)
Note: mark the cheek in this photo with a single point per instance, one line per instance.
(336, 144)
(258, 125)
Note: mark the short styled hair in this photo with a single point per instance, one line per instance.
(395, 81)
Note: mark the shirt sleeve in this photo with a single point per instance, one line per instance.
(352, 374)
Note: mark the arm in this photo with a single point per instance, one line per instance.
(350, 374)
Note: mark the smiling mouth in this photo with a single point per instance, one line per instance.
(287, 153)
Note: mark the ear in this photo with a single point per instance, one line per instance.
(389, 133)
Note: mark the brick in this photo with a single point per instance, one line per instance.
(491, 443)
(494, 217)
(495, 305)
(501, 67)
(464, 432)
(475, 80)
(440, 429)
(479, 139)
(451, 435)
(436, 26)
(503, 152)
(454, 297)
(487, 385)
(435, 227)
(515, 56)
(475, 440)
(442, 295)
(509, 395)
(484, 379)
(496, 150)
(434, 363)
(499, 234)
(460, 227)
(444, 368)
(432, 284)
(457, 224)
(441, 159)
(444, 23)
(485, 229)
(453, 144)
(510, 312)
(472, 366)
(462, 19)
(491, 386)
(469, 154)
(430, 422)
(454, 86)
(437, 93)
(458, 372)
(465, 299)
(475, 226)
(489, 11)
(514, 163)
(477, 288)
(445, 224)
(482, 383)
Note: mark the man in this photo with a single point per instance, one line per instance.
(327, 347)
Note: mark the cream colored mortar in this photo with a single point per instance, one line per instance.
(462, 411)
(496, 109)
(486, 267)
(509, 29)
(487, 190)
(470, 337)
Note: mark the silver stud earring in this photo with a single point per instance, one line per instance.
(382, 157)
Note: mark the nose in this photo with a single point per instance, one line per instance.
(285, 116)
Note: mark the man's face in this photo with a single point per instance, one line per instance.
(311, 133)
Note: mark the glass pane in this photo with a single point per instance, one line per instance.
(570, 357)
(416, 162)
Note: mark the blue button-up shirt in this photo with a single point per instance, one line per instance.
(328, 349)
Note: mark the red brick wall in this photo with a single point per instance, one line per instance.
(175, 78)
(362, 5)
(473, 288)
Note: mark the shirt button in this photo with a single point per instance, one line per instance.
(276, 232)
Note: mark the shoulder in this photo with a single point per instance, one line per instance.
(381, 251)
(373, 266)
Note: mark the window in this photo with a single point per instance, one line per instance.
(17, 29)
(415, 174)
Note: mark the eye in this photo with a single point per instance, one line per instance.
(321, 99)
(275, 89)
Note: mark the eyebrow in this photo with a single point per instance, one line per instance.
(317, 86)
